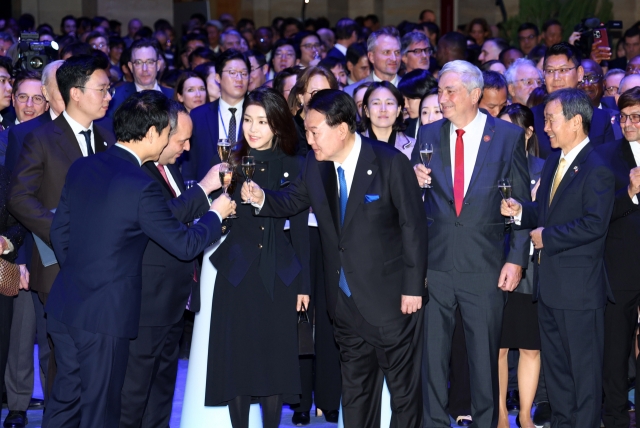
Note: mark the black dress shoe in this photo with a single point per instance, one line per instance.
(36, 403)
(331, 416)
(542, 413)
(513, 400)
(16, 419)
(301, 418)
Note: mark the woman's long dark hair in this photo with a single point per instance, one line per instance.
(523, 117)
(280, 121)
(365, 122)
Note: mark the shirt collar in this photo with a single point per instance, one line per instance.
(573, 153)
(156, 87)
(225, 106)
(75, 126)
(123, 147)
(377, 79)
(53, 115)
(17, 122)
(473, 125)
(341, 48)
(351, 160)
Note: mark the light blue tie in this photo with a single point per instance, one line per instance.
(344, 197)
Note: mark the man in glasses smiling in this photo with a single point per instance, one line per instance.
(416, 51)
(562, 69)
(144, 68)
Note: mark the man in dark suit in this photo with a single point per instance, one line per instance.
(571, 215)
(144, 68)
(108, 211)
(7, 114)
(374, 240)
(621, 317)
(562, 69)
(346, 35)
(631, 39)
(49, 151)
(168, 283)
(219, 119)
(467, 264)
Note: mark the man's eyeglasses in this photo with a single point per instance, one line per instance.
(105, 91)
(315, 46)
(592, 79)
(149, 63)
(611, 90)
(235, 74)
(99, 45)
(426, 51)
(24, 98)
(284, 54)
(634, 118)
(525, 38)
(561, 71)
(530, 82)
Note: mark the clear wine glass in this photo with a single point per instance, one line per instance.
(504, 186)
(224, 149)
(426, 152)
(248, 168)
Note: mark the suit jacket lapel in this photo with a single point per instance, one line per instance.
(66, 139)
(213, 128)
(569, 174)
(546, 181)
(366, 170)
(330, 183)
(99, 140)
(151, 167)
(177, 177)
(445, 154)
(485, 143)
(627, 154)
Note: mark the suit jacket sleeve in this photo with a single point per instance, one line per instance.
(290, 201)
(519, 239)
(300, 241)
(60, 229)
(26, 180)
(623, 205)
(13, 150)
(597, 205)
(191, 204)
(406, 197)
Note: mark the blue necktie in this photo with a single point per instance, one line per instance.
(344, 197)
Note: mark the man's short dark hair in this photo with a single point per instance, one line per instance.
(94, 35)
(76, 71)
(65, 19)
(373, 18)
(5, 62)
(630, 98)
(425, 11)
(345, 28)
(230, 55)
(417, 83)
(259, 56)
(116, 41)
(500, 43)
(175, 108)
(563, 48)
(337, 107)
(454, 41)
(529, 26)
(23, 76)
(290, 21)
(432, 28)
(145, 43)
(201, 52)
(550, 23)
(355, 52)
(494, 80)
(331, 62)
(631, 32)
(75, 49)
(98, 20)
(573, 101)
(139, 113)
(504, 52)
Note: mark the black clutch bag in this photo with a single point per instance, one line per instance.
(305, 333)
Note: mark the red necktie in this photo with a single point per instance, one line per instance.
(458, 177)
(164, 175)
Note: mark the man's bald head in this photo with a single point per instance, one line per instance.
(630, 81)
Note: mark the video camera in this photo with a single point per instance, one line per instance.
(33, 54)
(591, 29)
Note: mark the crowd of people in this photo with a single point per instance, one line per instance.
(352, 172)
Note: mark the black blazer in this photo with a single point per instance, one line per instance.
(168, 281)
(571, 271)
(17, 135)
(382, 245)
(601, 131)
(204, 142)
(336, 54)
(108, 211)
(125, 91)
(621, 254)
(610, 103)
(474, 241)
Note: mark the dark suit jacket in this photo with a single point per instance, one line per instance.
(382, 245)
(204, 142)
(609, 102)
(571, 271)
(17, 135)
(37, 182)
(621, 249)
(474, 241)
(601, 130)
(125, 91)
(8, 117)
(168, 281)
(108, 210)
(334, 52)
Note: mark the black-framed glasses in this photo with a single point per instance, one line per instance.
(235, 73)
(426, 51)
(148, 63)
(105, 91)
(634, 118)
(24, 98)
(561, 71)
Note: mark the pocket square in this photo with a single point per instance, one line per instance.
(370, 198)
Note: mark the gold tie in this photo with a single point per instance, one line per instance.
(557, 178)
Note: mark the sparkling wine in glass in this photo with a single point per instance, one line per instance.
(224, 149)
(248, 168)
(504, 186)
(426, 152)
(226, 177)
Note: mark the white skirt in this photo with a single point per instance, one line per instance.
(194, 413)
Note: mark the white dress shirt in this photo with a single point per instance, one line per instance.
(77, 128)
(224, 117)
(341, 48)
(395, 80)
(472, 138)
(349, 164)
(635, 149)
(172, 181)
(156, 87)
(53, 115)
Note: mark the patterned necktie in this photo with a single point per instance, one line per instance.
(232, 126)
(87, 139)
(557, 178)
(163, 172)
(344, 197)
(458, 177)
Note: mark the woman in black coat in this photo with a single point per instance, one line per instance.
(262, 278)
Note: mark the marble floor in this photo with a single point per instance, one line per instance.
(35, 416)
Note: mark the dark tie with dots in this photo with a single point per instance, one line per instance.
(232, 126)
(87, 138)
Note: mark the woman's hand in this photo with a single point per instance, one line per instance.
(24, 277)
(302, 298)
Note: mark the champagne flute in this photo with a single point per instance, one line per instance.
(504, 186)
(248, 168)
(426, 152)
(224, 149)
(226, 176)
(232, 188)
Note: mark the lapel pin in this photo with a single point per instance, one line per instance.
(486, 138)
(575, 169)
(533, 181)
(369, 172)
(105, 143)
(286, 174)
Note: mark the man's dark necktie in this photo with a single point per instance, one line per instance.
(344, 197)
(87, 138)
(233, 133)
(163, 173)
